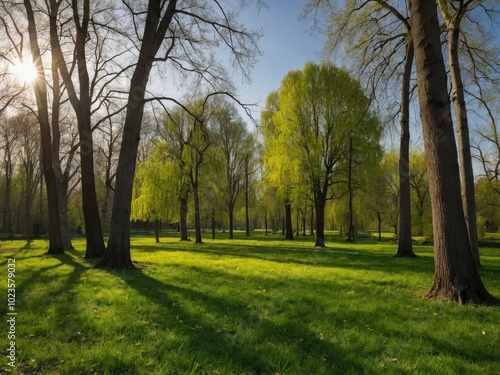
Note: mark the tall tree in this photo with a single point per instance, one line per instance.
(456, 271)
(56, 244)
(81, 99)
(375, 35)
(453, 13)
(232, 140)
(189, 43)
(281, 169)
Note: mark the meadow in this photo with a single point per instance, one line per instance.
(256, 305)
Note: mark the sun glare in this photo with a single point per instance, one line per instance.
(25, 70)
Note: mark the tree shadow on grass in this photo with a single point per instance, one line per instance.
(46, 289)
(214, 327)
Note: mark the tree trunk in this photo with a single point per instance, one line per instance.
(213, 223)
(311, 227)
(466, 171)
(265, 222)
(350, 228)
(379, 219)
(231, 221)
(117, 254)
(247, 215)
(40, 89)
(405, 246)
(320, 222)
(456, 272)
(157, 230)
(288, 221)
(197, 221)
(183, 218)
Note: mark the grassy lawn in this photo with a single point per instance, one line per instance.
(247, 306)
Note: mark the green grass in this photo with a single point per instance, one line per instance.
(247, 306)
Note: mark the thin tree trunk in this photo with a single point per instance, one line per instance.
(350, 229)
(247, 214)
(405, 246)
(456, 273)
(466, 170)
(288, 221)
(197, 221)
(157, 230)
(213, 223)
(183, 218)
(231, 223)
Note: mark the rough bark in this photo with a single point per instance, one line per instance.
(405, 246)
(456, 273)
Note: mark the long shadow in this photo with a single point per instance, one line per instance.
(57, 295)
(216, 342)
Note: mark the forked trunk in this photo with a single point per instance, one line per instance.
(456, 273)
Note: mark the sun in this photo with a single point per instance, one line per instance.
(24, 70)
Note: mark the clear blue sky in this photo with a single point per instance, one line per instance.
(287, 45)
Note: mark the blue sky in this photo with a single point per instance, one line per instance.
(287, 45)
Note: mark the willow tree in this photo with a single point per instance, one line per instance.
(155, 189)
(456, 273)
(375, 36)
(280, 168)
(320, 109)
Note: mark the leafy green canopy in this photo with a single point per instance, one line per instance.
(307, 125)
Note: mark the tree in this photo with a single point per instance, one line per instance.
(154, 189)
(320, 107)
(453, 15)
(9, 134)
(56, 243)
(234, 143)
(456, 272)
(375, 36)
(197, 27)
(281, 169)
